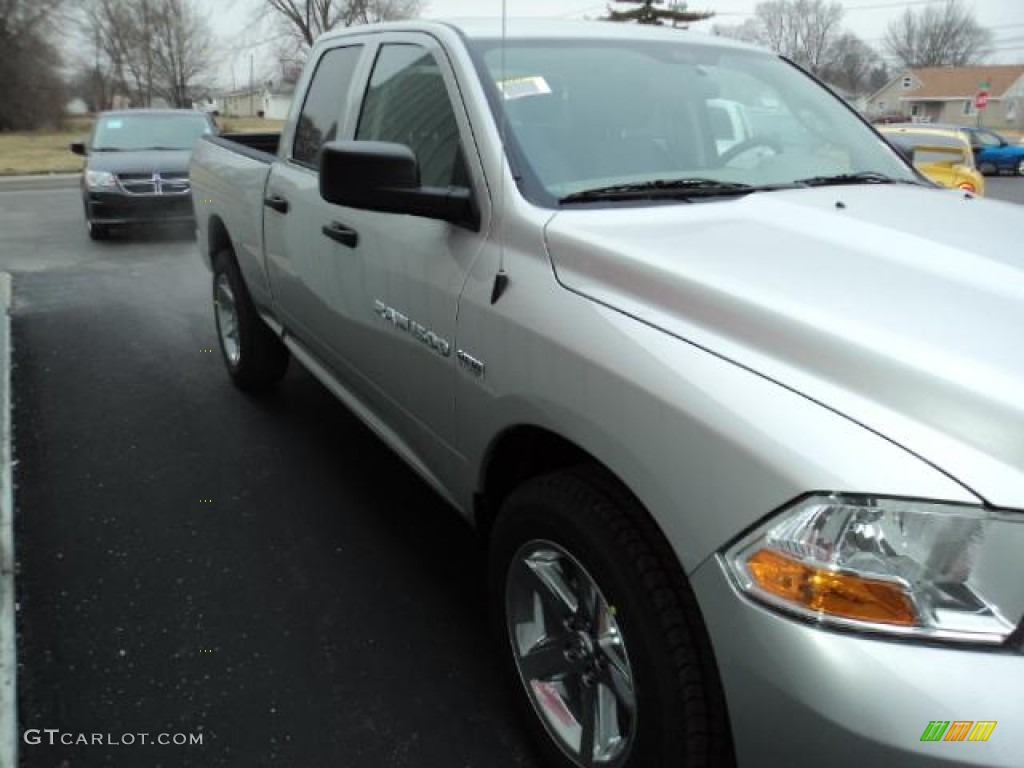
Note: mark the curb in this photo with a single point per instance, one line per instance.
(8, 643)
(49, 181)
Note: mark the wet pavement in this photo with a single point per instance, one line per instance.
(262, 575)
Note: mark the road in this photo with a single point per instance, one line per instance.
(1007, 188)
(264, 573)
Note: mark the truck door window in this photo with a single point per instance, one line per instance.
(324, 104)
(407, 103)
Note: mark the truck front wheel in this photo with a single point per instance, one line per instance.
(255, 358)
(600, 631)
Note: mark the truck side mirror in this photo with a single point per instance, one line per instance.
(78, 147)
(385, 177)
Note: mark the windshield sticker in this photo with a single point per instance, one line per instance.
(518, 87)
(114, 124)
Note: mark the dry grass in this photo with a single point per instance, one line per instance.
(33, 152)
(41, 151)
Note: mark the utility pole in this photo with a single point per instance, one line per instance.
(252, 109)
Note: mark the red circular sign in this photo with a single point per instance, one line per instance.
(981, 100)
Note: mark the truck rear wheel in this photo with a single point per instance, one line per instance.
(600, 631)
(255, 358)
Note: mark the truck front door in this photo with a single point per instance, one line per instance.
(401, 276)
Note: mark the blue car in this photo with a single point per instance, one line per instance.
(994, 154)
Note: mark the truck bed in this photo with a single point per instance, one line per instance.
(228, 175)
(258, 146)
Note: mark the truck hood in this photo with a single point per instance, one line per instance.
(898, 307)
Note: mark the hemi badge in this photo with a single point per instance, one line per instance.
(471, 364)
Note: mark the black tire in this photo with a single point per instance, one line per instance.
(598, 534)
(256, 359)
(97, 231)
(1019, 169)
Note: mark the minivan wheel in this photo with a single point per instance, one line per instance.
(255, 358)
(97, 231)
(600, 632)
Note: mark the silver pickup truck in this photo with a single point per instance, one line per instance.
(741, 422)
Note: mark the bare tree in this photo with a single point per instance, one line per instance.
(146, 48)
(181, 39)
(849, 63)
(120, 34)
(878, 76)
(749, 31)
(802, 30)
(938, 36)
(810, 33)
(676, 13)
(34, 92)
(306, 20)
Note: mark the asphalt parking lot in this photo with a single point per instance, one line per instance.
(263, 574)
(1007, 188)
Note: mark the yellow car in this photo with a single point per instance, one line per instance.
(943, 155)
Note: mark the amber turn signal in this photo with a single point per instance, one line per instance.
(837, 594)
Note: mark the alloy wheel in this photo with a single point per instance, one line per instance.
(571, 655)
(227, 320)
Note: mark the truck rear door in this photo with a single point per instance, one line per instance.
(300, 261)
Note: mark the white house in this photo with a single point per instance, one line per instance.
(947, 95)
(270, 100)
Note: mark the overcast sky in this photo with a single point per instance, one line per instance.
(233, 21)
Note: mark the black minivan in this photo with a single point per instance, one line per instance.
(136, 169)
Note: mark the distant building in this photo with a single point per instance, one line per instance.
(946, 95)
(76, 107)
(271, 100)
(208, 104)
(277, 100)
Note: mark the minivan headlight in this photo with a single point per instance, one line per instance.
(100, 179)
(918, 568)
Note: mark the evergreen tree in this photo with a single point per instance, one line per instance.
(646, 13)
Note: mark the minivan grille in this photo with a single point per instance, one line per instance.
(172, 183)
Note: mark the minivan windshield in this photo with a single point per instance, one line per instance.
(124, 132)
(615, 120)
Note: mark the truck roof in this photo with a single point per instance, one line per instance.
(539, 29)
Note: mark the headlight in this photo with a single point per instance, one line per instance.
(918, 568)
(99, 179)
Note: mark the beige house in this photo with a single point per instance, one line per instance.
(946, 95)
(270, 100)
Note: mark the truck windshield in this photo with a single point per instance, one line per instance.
(127, 132)
(590, 115)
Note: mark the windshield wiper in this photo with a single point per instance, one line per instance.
(661, 188)
(861, 177)
(147, 149)
(107, 149)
